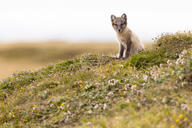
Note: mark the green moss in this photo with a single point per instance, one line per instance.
(166, 47)
(146, 59)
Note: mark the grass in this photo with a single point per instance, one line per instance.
(150, 89)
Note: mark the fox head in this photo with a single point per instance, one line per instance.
(119, 23)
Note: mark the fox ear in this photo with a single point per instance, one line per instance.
(124, 16)
(113, 18)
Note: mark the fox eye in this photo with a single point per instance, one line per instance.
(123, 25)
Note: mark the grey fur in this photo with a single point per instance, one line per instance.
(129, 42)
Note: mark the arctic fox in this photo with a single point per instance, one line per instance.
(129, 42)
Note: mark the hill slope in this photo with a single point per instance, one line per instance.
(151, 89)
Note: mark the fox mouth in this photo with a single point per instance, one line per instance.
(120, 31)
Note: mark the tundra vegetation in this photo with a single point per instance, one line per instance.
(150, 89)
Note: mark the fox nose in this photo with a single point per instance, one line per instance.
(119, 30)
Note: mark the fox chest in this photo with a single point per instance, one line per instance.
(124, 40)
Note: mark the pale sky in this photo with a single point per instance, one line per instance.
(89, 20)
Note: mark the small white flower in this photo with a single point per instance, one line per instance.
(68, 112)
(89, 123)
(161, 65)
(181, 77)
(164, 100)
(90, 112)
(133, 87)
(155, 78)
(121, 66)
(168, 62)
(113, 82)
(51, 105)
(110, 93)
(184, 107)
(184, 52)
(104, 106)
(145, 77)
(96, 106)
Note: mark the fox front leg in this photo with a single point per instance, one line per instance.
(127, 51)
(121, 51)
